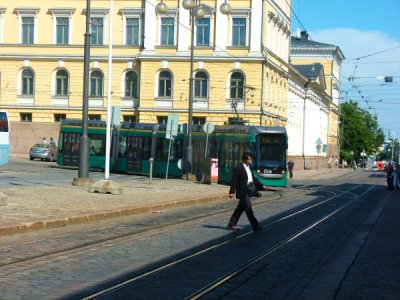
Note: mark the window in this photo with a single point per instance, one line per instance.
(59, 117)
(237, 86)
(28, 30)
(27, 25)
(27, 82)
(3, 122)
(62, 30)
(62, 83)
(25, 117)
(239, 28)
(97, 144)
(96, 84)
(127, 118)
(62, 25)
(203, 32)
(199, 120)
(2, 12)
(97, 31)
(94, 117)
(132, 31)
(167, 31)
(131, 85)
(165, 84)
(162, 120)
(201, 85)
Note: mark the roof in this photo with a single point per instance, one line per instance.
(311, 72)
(303, 42)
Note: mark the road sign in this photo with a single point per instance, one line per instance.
(172, 125)
(208, 127)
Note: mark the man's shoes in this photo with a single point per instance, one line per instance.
(233, 228)
(258, 229)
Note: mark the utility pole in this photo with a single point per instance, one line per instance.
(83, 172)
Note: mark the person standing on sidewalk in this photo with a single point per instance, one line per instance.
(290, 166)
(241, 178)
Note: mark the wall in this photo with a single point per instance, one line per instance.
(25, 134)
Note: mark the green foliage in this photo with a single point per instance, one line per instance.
(359, 130)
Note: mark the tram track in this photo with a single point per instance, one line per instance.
(169, 225)
(215, 284)
(325, 195)
(59, 249)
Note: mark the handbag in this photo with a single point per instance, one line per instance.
(252, 190)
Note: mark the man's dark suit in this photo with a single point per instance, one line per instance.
(239, 185)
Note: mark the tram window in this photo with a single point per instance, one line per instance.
(146, 148)
(97, 143)
(122, 146)
(70, 142)
(162, 150)
(273, 153)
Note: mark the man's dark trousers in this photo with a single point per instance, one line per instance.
(244, 205)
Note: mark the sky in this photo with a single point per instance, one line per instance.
(368, 33)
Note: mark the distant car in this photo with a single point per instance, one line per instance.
(44, 152)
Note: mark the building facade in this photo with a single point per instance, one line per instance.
(240, 62)
(304, 51)
(308, 121)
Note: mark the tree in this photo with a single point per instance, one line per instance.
(359, 130)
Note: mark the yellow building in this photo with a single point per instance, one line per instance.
(240, 61)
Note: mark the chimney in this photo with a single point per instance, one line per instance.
(304, 35)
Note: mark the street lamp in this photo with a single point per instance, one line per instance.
(83, 171)
(196, 12)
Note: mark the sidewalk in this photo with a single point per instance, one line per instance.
(43, 207)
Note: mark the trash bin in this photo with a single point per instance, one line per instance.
(210, 173)
(214, 170)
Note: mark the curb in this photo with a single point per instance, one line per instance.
(79, 219)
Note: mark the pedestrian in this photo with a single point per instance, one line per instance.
(52, 141)
(44, 141)
(242, 177)
(389, 179)
(290, 166)
(329, 162)
(395, 177)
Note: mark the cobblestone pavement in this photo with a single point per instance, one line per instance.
(53, 204)
(373, 274)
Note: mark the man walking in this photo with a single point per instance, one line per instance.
(242, 176)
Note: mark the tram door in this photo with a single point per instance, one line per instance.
(134, 154)
(70, 152)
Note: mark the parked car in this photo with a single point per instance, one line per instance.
(44, 152)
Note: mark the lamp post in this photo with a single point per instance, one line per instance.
(83, 171)
(196, 12)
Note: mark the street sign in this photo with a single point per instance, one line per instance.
(208, 127)
(172, 125)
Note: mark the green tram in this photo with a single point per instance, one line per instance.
(131, 149)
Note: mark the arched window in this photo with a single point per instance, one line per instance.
(62, 83)
(96, 84)
(201, 85)
(27, 82)
(165, 84)
(131, 85)
(237, 85)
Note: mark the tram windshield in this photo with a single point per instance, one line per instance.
(273, 151)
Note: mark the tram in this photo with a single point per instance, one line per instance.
(133, 144)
